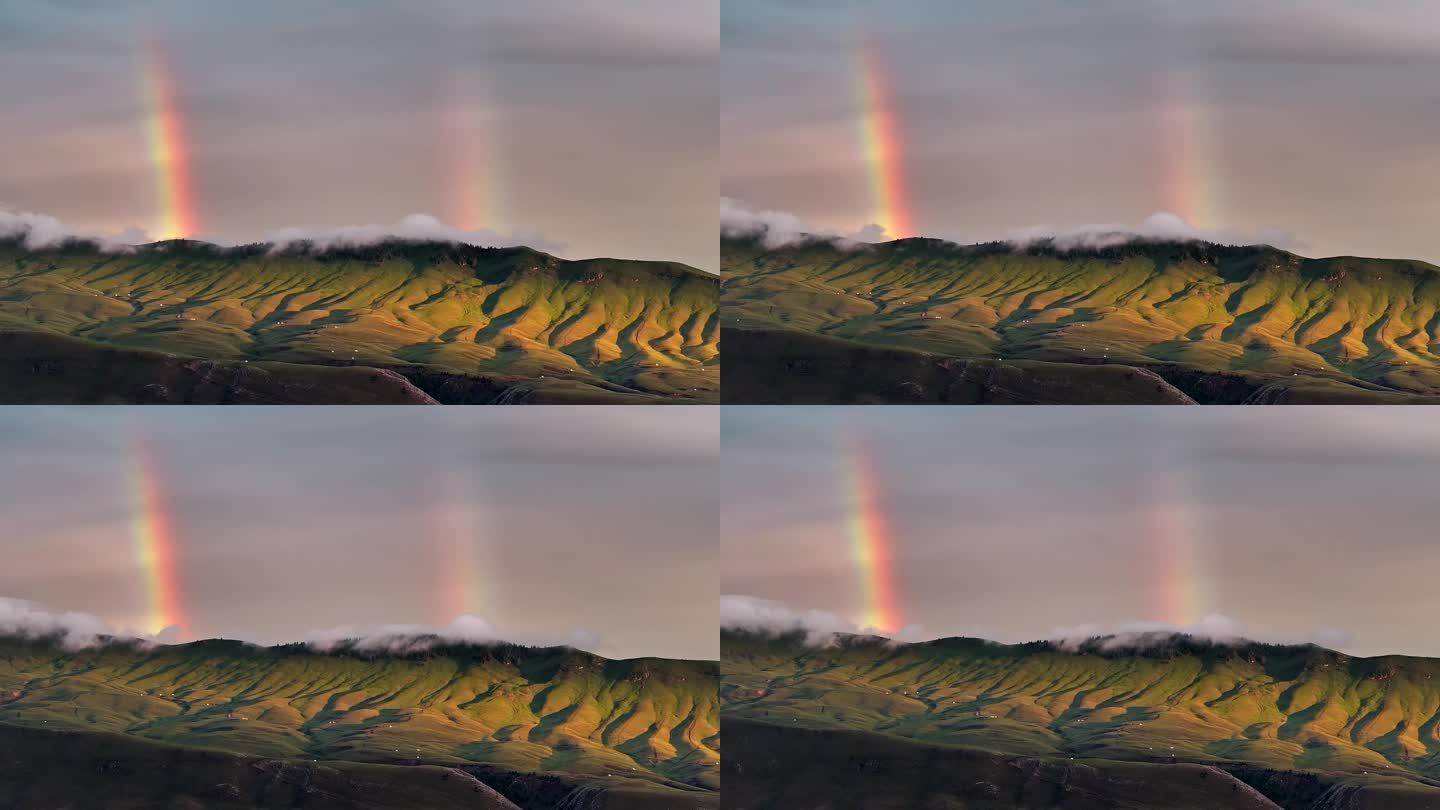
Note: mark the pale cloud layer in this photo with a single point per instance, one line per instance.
(38, 231)
(778, 229)
(822, 628)
(1313, 119)
(1016, 524)
(73, 630)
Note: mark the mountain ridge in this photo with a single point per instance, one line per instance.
(1222, 324)
(1266, 713)
(460, 324)
(642, 727)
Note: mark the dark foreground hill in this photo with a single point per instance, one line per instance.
(921, 320)
(224, 724)
(396, 322)
(960, 723)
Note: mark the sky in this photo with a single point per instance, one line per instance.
(1313, 119)
(575, 125)
(552, 524)
(1016, 524)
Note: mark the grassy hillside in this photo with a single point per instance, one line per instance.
(1286, 720)
(462, 324)
(1221, 324)
(533, 723)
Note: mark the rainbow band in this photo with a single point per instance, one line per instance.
(169, 149)
(155, 547)
(1178, 574)
(880, 138)
(870, 546)
(1185, 141)
(460, 587)
(470, 146)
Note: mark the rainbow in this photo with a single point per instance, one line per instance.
(870, 545)
(473, 192)
(1183, 132)
(883, 147)
(155, 546)
(169, 149)
(455, 536)
(1178, 575)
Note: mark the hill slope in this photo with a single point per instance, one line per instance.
(460, 323)
(1295, 723)
(1220, 324)
(536, 724)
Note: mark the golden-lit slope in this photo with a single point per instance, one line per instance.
(1220, 323)
(643, 724)
(462, 323)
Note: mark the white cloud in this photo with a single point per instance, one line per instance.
(820, 628)
(20, 618)
(755, 615)
(38, 231)
(73, 631)
(410, 638)
(1214, 628)
(414, 227)
(1158, 227)
(779, 228)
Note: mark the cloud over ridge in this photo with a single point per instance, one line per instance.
(781, 228)
(752, 614)
(39, 231)
(778, 229)
(72, 630)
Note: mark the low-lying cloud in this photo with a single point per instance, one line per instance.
(752, 614)
(418, 227)
(39, 231)
(73, 631)
(820, 628)
(1159, 227)
(1215, 628)
(401, 639)
(778, 228)
(20, 618)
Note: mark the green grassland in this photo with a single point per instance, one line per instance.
(1295, 723)
(540, 725)
(1218, 324)
(457, 323)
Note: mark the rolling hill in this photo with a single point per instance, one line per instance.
(979, 724)
(927, 321)
(485, 726)
(396, 322)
